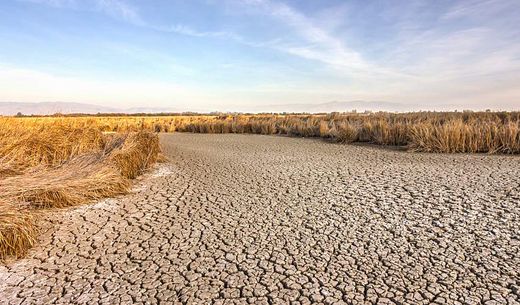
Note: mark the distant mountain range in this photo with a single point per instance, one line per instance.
(47, 108)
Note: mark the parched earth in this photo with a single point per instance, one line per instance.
(243, 219)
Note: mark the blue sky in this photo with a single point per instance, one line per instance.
(238, 54)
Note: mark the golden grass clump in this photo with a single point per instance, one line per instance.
(17, 230)
(49, 145)
(457, 136)
(55, 164)
(138, 152)
(68, 185)
(346, 133)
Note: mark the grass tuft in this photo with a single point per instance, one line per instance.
(138, 152)
(17, 230)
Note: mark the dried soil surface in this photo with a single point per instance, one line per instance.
(242, 219)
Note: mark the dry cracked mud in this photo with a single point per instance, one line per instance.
(244, 219)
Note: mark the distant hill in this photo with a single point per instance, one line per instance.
(52, 108)
(47, 108)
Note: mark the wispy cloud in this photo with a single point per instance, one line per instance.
(478, 8)
(315, 42)
(318, 44)
(115, 8)
(120, 9)
(456, 50)
(189, 31)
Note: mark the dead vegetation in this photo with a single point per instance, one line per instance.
(48, 145)
(443, 132)
(138, 152)
(17, 229)
(54, 164)
(495, 133)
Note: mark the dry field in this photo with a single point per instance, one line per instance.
(63, 161)
(250, 219)
(54, 164)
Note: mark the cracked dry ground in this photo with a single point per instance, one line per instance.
(244, 219)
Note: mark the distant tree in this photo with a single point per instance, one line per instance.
(19, 114)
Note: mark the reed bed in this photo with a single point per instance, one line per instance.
(440, 132)
(495, 133)
(58, 163)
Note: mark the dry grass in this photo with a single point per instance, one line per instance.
(10, 168)
(456, 136)
(17, 230)
(450, 132)
(65, 186)
(47, 144)
(346, 132)
(137, 153)
(464, 132)
(57, 163)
